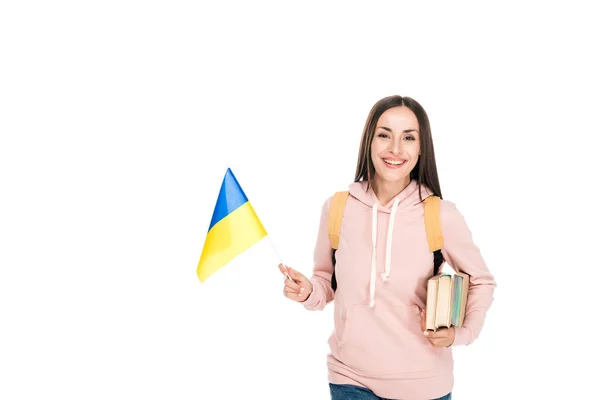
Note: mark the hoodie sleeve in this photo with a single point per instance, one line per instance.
(322, 293)
(463, 255)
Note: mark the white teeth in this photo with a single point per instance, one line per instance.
(393, 162)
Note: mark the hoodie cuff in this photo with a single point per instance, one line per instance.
(462, 336)
(313, 298)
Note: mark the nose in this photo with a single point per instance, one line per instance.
(396, 145)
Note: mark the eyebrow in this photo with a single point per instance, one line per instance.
(404, 131)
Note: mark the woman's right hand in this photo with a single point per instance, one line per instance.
(298, 288)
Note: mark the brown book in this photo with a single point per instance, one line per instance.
(446, 300)
(432, 291)
(443, 310)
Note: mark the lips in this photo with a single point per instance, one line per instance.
(393, 162)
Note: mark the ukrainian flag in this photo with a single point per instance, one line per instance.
(234, 228)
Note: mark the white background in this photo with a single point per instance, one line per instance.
(118, 120)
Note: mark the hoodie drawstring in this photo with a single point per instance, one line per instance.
(373, 256)
(388, 250)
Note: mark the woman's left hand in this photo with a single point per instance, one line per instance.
(442, 337)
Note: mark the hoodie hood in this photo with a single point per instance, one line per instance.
(408, 198)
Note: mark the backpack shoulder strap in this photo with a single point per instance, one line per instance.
(433, 226)
(433, 223)
(336, 212)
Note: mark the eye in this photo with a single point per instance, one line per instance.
(383, 135)
(409, 138)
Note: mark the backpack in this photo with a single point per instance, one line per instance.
(433, 227)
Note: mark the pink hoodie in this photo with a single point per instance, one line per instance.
(377, 341)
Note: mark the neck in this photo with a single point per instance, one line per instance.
(386, 191)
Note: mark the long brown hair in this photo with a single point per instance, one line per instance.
(425, 171)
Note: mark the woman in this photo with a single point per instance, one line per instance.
(379, 348)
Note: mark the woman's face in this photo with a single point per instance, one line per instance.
(396, 145)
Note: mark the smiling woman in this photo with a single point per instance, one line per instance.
(396, 147)
(377, 275)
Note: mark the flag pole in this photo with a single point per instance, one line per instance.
(279, 256)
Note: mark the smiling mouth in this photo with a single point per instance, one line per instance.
(393, 162)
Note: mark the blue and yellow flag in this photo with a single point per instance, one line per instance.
(234, 228)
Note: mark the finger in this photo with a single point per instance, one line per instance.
(423, 321)
(431, 334)
(293, 297)
(439, 342)
(293, 294)
(441, 333)
(289, 291)
(284, 271)
(434, 340)
(437, 334)
(292, 285)
(296, 276)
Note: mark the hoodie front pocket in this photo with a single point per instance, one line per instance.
(385, 340)
(339, 320)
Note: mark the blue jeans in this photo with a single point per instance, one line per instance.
(351, 392)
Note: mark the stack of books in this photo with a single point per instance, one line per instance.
(446, 300)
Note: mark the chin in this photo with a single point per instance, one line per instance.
(393, 178)
(398, 179)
